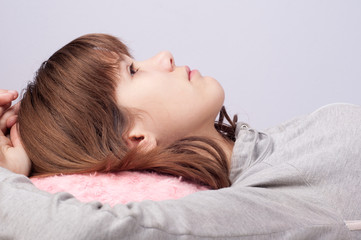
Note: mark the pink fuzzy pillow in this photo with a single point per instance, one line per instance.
(119, 187)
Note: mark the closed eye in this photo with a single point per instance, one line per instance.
(132, 69)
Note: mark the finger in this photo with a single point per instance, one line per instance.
(4, 107)
(4, 141)
(14, 136)
(3, 125)
(8, 119)
(11, 121)
(14, 93)
(16, 108)
(7, 97)
(2, 134)
(4, 90)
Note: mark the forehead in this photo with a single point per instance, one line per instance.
(127, 59)
(124, 63)
(124, 68)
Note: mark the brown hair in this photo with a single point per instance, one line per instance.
(69, 121)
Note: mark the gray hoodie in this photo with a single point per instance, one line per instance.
(299, 180)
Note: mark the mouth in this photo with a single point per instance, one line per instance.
(190, 72)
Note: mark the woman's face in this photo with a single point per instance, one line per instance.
(171, 101)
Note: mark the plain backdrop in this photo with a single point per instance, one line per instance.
(276, 59)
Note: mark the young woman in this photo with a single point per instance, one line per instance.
(93, 108)
(298, 180)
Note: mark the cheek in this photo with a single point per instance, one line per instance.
(201, 103)
(213, 94)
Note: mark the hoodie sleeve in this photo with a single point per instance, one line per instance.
(237, 212)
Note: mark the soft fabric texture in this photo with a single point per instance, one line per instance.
(122, 187)
(299, 180)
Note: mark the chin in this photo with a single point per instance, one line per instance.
(217, 92)
(218, 89)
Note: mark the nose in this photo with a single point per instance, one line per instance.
(163, 61)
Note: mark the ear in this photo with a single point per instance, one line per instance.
(141, 138)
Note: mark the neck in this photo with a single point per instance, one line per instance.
(226, 145)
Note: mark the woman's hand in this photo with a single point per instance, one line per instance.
(12, 153)
(8, 116)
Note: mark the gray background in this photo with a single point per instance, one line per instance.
(276, 59)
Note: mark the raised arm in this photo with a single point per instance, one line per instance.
(238, 212)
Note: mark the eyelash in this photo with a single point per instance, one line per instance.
(132, 70)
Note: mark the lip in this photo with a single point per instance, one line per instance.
(190, 72)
